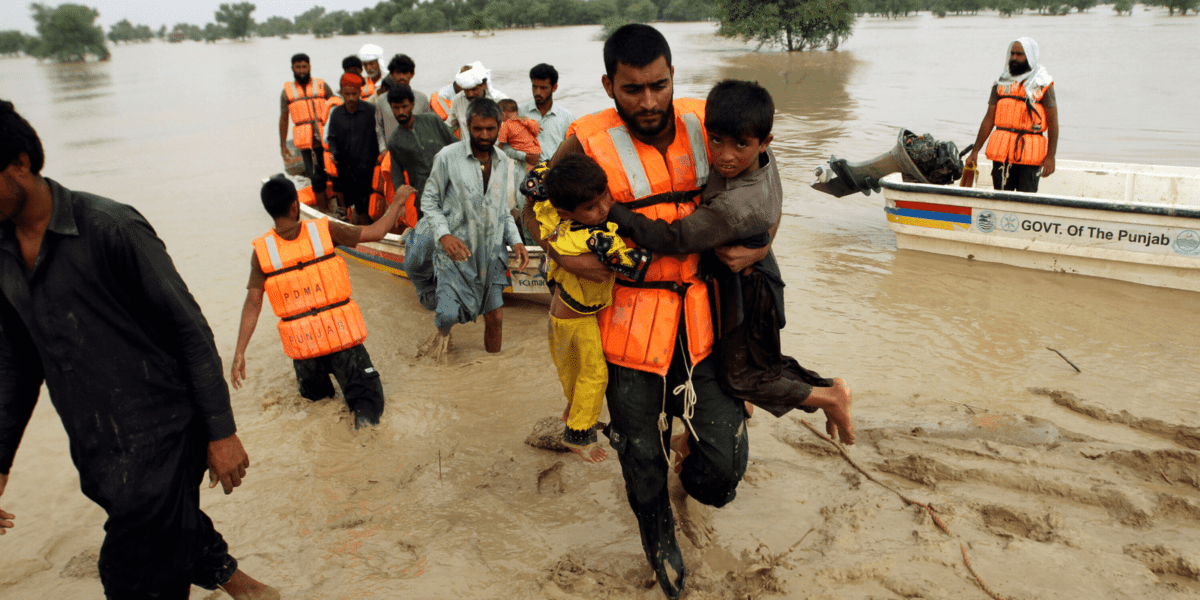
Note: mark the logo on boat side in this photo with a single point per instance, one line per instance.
(986, 221)
(1187, 243)
(1009, 223)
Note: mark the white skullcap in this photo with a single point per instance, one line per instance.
(471, 78)
(370, 52)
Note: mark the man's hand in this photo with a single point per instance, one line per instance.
(1047, 166)
(5, 518)
(973, 157)
(237, 372)
(285, 151)
(531, 159)
(227, 463)
(739, 258)
(454, 247)
(522, 256)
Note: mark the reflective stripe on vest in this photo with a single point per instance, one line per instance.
(1019, 123)
(309, 290)
(639, 329)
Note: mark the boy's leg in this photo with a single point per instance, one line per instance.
(312, 374)
(715, 464)
(360, 384)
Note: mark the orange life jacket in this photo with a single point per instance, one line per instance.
(309, 289)
(639, 329)
(306, 195)
(330, 104)
(383, 192)
(305, 107)
(441, 107)
(1020, 124)
(368, 88)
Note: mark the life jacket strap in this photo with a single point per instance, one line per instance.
(316, 311)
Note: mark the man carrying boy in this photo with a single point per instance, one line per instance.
(573, 223)
(309, 288)
(551, 116)
(741, 202)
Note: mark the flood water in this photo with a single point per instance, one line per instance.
(185, 132)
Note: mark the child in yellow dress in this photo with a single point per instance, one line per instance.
(573, 223)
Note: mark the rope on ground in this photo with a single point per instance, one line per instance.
(907, 501)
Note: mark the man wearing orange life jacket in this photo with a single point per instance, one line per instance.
(370, 54)
(303, 102)
(658, 335)
(1024, 114)
(308, 286)
(441, 100)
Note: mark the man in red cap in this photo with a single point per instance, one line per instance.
(354, 146)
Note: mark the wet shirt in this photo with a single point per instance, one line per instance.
(554, 125)
(413, 149)
(105, 318)
(385, 121)
(352, 140)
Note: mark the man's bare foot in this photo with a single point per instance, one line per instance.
(693, 517)
(244, 587)
(591, 453)
(836, 401)
(679, 447)
(436, 347)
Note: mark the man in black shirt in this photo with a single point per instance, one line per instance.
(354, 146)
(91, 304)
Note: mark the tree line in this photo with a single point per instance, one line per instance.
(68, 32)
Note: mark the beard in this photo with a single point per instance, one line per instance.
(1018, 68)
(482, 144)
(404, 119)
(302, 79)
(631, 121)
(373, 73)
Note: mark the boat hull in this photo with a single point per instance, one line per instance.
(1136, 223)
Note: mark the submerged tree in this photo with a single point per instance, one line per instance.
(1123, 7)
(12, 42)
(236, 18)
(1183, 6)
(793, 24)
(67, 33)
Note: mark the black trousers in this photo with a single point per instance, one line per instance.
(158, 542)
(1021, 178)
(712, 470)
(355, 375)
(314, 170)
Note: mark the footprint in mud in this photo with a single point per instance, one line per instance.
(82, 566)
(1007, 521)
(551, 479)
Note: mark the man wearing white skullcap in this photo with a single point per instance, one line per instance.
(1021, 109)
(474, 84)
(370, 54)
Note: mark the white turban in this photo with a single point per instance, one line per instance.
(370, 52)
(473, 77)
(1036, 78)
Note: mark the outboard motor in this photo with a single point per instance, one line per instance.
(920, 158)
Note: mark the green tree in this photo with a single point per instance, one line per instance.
(12, 42)
(1183, 6)
(1082, 5)
(306, 20)
(642, 11)
(121, 31)
(1123, 7)
(236, 18)
(213, 32)
(66, 33)
(793, 24)
(689, 10)
(162, 32)
(275, 27)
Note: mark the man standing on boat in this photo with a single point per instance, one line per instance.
(658, 335)
(456, 255)
(416, 140)
(303, 102)
(370, 54)
(475, 83)
(1024, 114)
(401, 70)
(354, 146)
(552, 118)
(92, 306)
(308, 285)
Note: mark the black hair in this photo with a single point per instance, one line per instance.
(739, 109)
(350, 62)
(507, 104)
(399, 92)
(544, 71)
(636, 45)
(17, 136)
(483, 107)
(401, 63)
(300, 57)
(278, 193)
(574, 180)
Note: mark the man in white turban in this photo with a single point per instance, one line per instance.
(475, 84)
(1024, 115)
(370, 54)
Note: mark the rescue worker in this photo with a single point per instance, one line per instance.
(370, 54)
(441, 100)
(658, 334)
(308, 286)
(1024, 114)
(303, 101)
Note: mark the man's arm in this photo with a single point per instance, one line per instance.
(702, 230)
(283, 127)
(251, 308)
(375, 231)
(740, 258)
(985, 130)
(1052, 135)
(20, 382)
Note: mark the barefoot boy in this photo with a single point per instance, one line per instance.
(573, 223)
(740, 206)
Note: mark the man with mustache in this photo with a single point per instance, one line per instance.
(1024, 114)
(456, 255)
(415, 141)
(303, 101)
(474, 82)
(551, 117)
(369, 54)
(401, 70)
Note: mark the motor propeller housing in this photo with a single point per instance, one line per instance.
(919, 158)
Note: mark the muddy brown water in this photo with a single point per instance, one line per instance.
(185, 132)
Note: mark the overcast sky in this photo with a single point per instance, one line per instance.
(158, 12)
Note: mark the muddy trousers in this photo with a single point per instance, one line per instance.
(711, 471)
(158, 542)
(355, 375)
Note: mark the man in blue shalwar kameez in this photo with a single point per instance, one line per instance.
(456, 255)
